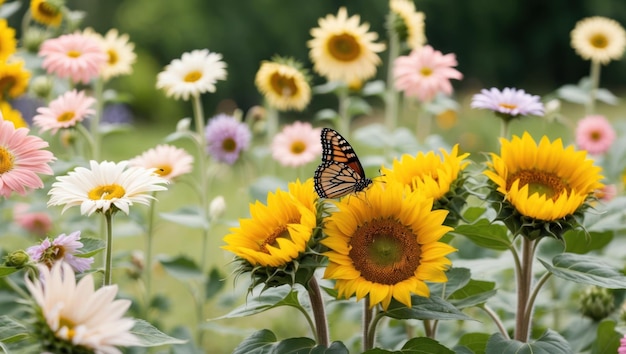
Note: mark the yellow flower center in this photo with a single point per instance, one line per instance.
(426, 71)
(113, 57)
(64, 322)
(48, 10)
(192, 76)
(384, 251)
(73, 53)
(298, 147)
(65, 117)
(344, 47)
(271, 239)
(507, 105)
(596, 136)
(163, 170)
(229, 145)
(6, 160)
(108, 192)
(282, 85)
(6, 83)
(599, 41)
(540, 182)
(51, 255)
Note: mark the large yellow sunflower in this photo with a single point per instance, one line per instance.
(13, 79)
(545, 181)
(284, 85)
(384, 243)
(12, 115)
(277, 233)
(410, 26)
(46, 12)
(8, 43)
(343, 50)
(427, 172)
(599, 39)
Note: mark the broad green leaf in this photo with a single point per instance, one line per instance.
(11, 331)
(485, 234)
(269, 299)
(549, 343)
(214, 283)
(4, 271)
(358, 106)
(425, 308)
(91, 246)
(265, 342)
(419, 345)
(457, 278)
(474, 293)
(259, 342)
(178, 135)
(473, 213)
(573, 94)
(577, 241)
(150, 336)
(374, 88)
(327, 87)
(182, 268)
(586, 270)
(606, 96)
(326, 114)
(189, 347)
(475, 343)
(189, 216)
(607, 339)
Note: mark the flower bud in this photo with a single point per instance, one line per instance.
(597, 303)
(17, 259)
(183, 125)
(217, 207)
(32, 39)
(41, 86)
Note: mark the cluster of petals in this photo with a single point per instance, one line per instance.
(76, 56)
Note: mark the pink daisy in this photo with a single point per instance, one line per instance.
(65, 111)
(509, 102)
(594, 134)
(76, 56)
(425, 72)
(36, 222)
(168, 161)
(297, 144)
(21, 159)
(61, 249)
(622, 346)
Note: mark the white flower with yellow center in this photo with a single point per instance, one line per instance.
(599, 39)
(411, 26)
(105, 185)
(119, 50)
(343, 50)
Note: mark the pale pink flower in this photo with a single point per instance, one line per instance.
(622, 346)
(36, 222)
(21, 159)
(509, 102)
(76, 56)
(297, 144)
(78, 314)
(594, 134)
(168, 161)
(64, 112)
(606, 193)
(62, 249)
(425, 72)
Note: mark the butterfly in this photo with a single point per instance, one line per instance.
(340, 172)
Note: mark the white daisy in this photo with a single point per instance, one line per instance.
(79, 316)
(104, 186)
(598, 38)
(194, 73)
(168, 161)
(119, 50)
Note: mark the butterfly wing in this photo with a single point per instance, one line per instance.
(336, 148)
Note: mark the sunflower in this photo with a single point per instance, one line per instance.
(284, 84)
(8, 43)
(46, 12)
(13, 79)
(599, 39)
(385, 244)
(543, 181)
(408, 23)
(344, 50)
(12, 115)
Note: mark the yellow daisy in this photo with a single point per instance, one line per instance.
(283, 84)
(343, 50)
(12, 115)
(384, 243)
(46, 12)
(408, 22)
(543, 181)
(8, 43)
(427, 172)
(599, 39)
(13, 79)
(277, 233)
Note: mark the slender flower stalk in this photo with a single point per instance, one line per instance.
(594, 75)
(108, 254)
(319, 312)
(344, 116)
(391, 103)
(368, 326)
(149, 250)
(524, 285)
(95, 122)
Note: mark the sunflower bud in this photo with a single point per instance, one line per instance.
(17, 259)
(41, 86)
(597, 303)
(32, 39)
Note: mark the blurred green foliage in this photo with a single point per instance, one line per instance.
(520, 43)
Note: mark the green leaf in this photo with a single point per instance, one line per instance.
(586, 270)
(577, 241)
(264, 342)
(420, 345)
(182, 268)
(269, 299)
(327, 87)
(214, 283)
(374, 88)
(457, 278)
(485, 234)
(425, 308)
(11, 331)
(9, 9)
(475, 343)
(326, 114)
(358, 106)
(91, 246)
(190, 216)
(607, 339)
(476, 292)
(473, 213)
(4, 271)
(150, 336)
(549, 343)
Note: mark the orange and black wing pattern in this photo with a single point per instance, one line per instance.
(340, 172)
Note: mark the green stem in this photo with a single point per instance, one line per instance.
(149, 246)
(108, 262)
(524, 284)
(95, 122)
(319, 312)
(424, 122)
(531, 301)
(496, 319)
(391, 95)
(504, 128)
(369, 329)
(595, 84)
(344, 117)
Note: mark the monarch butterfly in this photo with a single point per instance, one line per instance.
(340, 172)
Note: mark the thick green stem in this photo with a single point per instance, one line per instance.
(524, 284)
(108, 256)
(496, 319)
(594, 76)
(319, 312)
(369, 328)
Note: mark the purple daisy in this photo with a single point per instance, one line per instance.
(61, 249)
(510, 102)
(226, 138)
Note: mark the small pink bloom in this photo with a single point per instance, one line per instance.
(168, 161)
(61, 249)
(297, 144)
(594, 134)
(65, 111)
(36, 222)
(622, 347)
(76, 56)
(21, 159)
(606, 193)
(425, 72)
